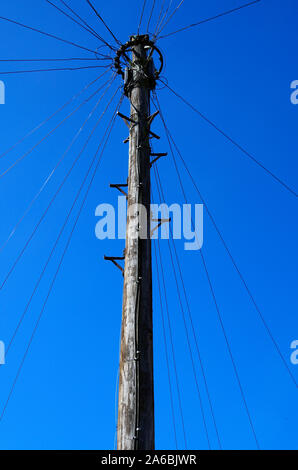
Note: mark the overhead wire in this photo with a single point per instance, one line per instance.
(230, 353)
(46, 264)
(163, 18)
(159, 17)
(64, 69)
(90, 30)
(61, 59)
(162, 26)
(104, 23)
(166, 350)
(150, 16)
(245, 152)
(50, 203)
(209, 19)
(195, 335)
(60, 264)
(265, 324)
(28, 152)
(186, 331)
(84, 22)
(47, 180)
(74, 20)
(219, 315)
(42, 123)
(142, 14)
(117, 90)
(46, 34)
(241, 276)
(172, 344)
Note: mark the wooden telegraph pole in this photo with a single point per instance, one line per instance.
(136, 394)
(136, 387)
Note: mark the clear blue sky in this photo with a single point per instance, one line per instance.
(237, 70)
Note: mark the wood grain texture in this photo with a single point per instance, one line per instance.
(136, 387)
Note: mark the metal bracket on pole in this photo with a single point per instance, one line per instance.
(150, 118)
(119, 186)
(158, 156)
(160, 222)
(126, 119)
(114, 260)
(154, 135)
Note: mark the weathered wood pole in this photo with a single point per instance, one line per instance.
(136, 389)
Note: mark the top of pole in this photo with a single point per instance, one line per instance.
(123, 62)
